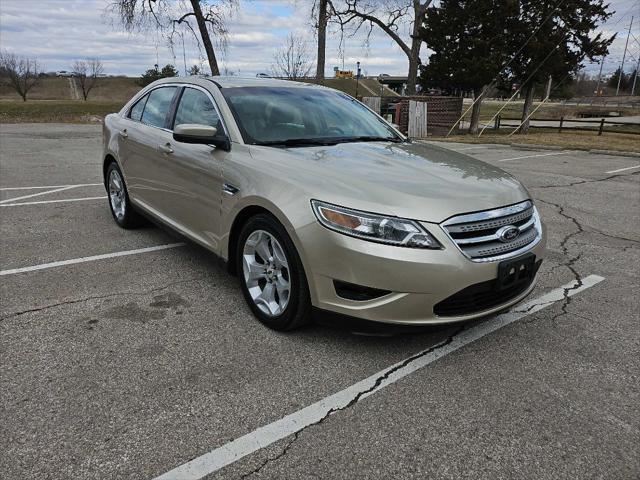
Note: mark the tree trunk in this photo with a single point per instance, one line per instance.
(206, 39)
(414, 56)
(412, 77)
(528, 103)
(322, 37)
(478, 93)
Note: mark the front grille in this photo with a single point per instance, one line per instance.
(480, 297)
(478, 234)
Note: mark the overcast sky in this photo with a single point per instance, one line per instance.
(58, 32)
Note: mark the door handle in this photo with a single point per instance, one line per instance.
(123, 133)
(166, 148)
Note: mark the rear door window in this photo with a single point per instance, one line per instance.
(196, 107)
(158, 106)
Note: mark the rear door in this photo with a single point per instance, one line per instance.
(194, 172)
(146, 131)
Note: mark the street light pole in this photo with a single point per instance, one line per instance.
(357, 78)
(597, 92)
(623, 57)
(635, 78)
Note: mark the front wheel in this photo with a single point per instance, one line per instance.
(271, 274)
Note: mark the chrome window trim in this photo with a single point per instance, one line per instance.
(125, 112)
(490, 214)
(213, 102)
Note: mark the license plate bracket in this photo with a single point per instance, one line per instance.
(516, 272)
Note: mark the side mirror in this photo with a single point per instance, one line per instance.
(201, 134)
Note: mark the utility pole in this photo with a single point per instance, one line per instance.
(357, 78)
(623, 57)
(547, 90)
(635, 78)
(184, 55)
(597, 92)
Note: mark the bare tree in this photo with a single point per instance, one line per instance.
(389, 15)
(22, 72)
(168, 15)
(292, 60)
(321, 12)
(86, 73)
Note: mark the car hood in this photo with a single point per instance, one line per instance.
(410, 180)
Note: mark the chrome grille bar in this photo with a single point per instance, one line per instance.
(481, 236)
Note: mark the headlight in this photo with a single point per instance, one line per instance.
(376, 228)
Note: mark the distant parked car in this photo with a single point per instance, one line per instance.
(318, 203)
(65, 73)
(263, 75)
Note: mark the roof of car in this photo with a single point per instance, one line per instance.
(228, 82)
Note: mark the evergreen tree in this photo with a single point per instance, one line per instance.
(470, 43)
(154, 74)
(552, 38)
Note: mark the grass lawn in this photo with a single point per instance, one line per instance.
(569, 140)
(62, 111)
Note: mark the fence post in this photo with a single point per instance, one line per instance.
(601, 127)
(499, 120)
(561, 122)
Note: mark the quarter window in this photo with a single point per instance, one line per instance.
(158, 106)
(196, 107)
(136, 110)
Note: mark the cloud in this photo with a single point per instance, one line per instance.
(58, 32)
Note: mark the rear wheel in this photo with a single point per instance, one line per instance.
(121, 208)
(271, 274)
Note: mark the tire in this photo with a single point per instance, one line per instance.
(119, 203)
(264, 280)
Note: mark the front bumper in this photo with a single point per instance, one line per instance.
(418, 279)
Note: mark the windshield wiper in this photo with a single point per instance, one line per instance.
(370, 138)
(299, 142)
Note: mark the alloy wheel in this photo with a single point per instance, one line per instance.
(266, 272)
(117, 194)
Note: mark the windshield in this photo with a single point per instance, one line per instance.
(303, 116)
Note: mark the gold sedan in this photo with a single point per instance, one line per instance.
(319, 205)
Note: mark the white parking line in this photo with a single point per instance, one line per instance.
(50, 186)
(533, 156)
(9, 200)
(471, 148)
(623, 169)
(295, 422)
(63, 200)
(93, 258)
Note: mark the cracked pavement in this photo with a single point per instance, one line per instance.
(128, 367)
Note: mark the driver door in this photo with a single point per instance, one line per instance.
(194, 171)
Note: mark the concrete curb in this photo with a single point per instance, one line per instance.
(527, 146)
(615, 152)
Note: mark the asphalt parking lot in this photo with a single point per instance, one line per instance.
(148, 363)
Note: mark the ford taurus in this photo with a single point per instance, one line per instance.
(317, 204)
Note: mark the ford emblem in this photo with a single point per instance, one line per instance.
(508, 233)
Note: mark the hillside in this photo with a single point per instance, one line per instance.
(110, 89)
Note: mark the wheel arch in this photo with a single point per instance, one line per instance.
(234, 233)
(241, 218)
(108, 159)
